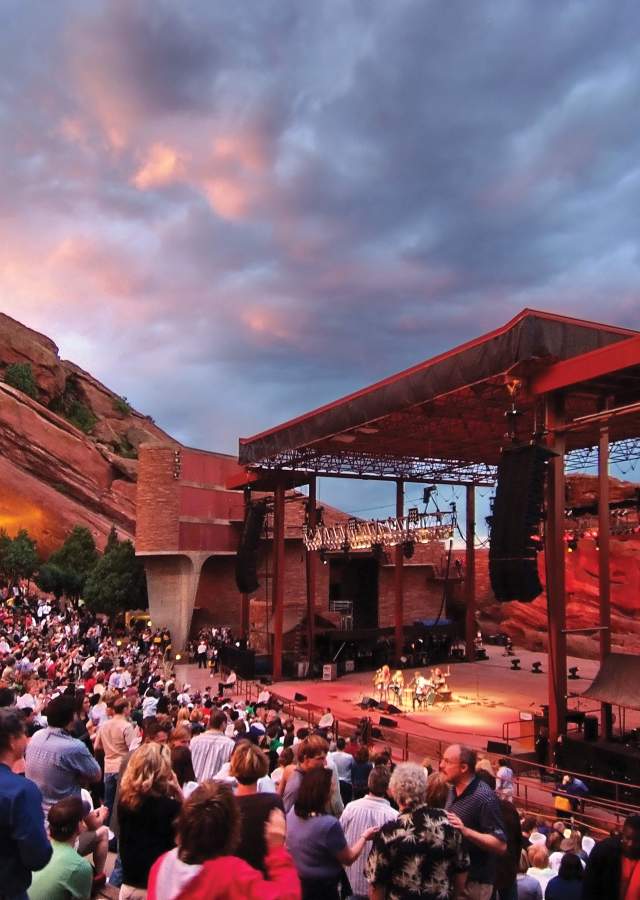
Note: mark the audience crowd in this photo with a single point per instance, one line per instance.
(199, 794)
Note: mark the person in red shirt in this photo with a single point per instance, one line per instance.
(203, 867)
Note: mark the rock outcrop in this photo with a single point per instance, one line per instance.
(53, 474)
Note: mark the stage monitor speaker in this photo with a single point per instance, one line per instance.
(386, 722)
(376, 733)
(247, 555)
(517, 510)
(590, 728)
(299, 698)
(499, 747)
(368, 703)
(393, 710)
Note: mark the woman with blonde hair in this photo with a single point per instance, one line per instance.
(149, 801)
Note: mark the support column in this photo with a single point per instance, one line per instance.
(604, 575)
(278, 580)
(470, 573)
(398, 610)
(555, 566)
(312, 570)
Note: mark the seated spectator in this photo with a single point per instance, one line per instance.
(67, 876)
(149, 800)
(539, 867)
(567, 884)
(316, 840)
(202, 866)
(24, 846)
(248, 765)
(420, 848)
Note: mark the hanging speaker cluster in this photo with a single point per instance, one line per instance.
(517, 511)
(247, 556)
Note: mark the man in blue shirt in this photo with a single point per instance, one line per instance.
(24, 846)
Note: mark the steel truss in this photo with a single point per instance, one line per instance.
(619, 452)
(384, 467)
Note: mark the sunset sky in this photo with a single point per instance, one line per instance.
(232, 212)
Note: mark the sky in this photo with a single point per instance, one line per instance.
(231, 213)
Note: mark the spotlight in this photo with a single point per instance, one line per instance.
(178, 657)
(573, 672)
(323, 557)
(237, 643)
(536, 668)
(572, 544)
(515, 664)
(118, 643)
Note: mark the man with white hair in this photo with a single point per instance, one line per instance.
(419, 854)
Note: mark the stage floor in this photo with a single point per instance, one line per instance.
(485, 695)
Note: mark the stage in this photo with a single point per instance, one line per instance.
(485, 696)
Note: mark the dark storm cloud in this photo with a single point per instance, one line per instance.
(234, 212)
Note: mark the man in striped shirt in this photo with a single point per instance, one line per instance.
(211, 750)
(372, 809)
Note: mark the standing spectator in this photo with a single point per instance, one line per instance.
(360, 772)
(202, 866)
(209, 751)
(374, 809)
(67, 876)
(115, 737)
(343, 763)
(316, 840)
(149, 800)
(504, 781)
(528, 887)
(201, 654)
(507, 863)
(312, 754)
(420, 854)
(248, 765)
(473, 809)
(24, 847)
(567, 884)
(613, 867)
(55, 760)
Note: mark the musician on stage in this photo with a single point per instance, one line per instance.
(420, 687)
(397, 685)
(382, 680)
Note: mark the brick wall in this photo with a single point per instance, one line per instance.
(158, 502)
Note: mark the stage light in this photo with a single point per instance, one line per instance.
(178, 657)
(573, 672)
(118, 643)
(237, 643)
(515, 664)
(536, 668)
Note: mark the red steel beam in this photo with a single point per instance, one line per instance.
(604, 574)
(555, 563)
(398, 618)
(595, 364)
(470, 574)
(312, 569)
(278, 579)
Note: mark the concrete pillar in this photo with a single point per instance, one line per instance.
(172, 584)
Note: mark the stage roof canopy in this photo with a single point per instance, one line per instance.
(617, 682)
(443, 420)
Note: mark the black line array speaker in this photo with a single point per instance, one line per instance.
(591, 728)
(517, 510)
(247, 556)
(386, 722)
(499, 747)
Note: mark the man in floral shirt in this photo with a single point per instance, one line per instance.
(420, 854)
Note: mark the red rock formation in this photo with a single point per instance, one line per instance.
(52, 475)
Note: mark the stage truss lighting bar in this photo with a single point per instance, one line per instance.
(356, 534)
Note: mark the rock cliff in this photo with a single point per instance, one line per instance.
(67, 457)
